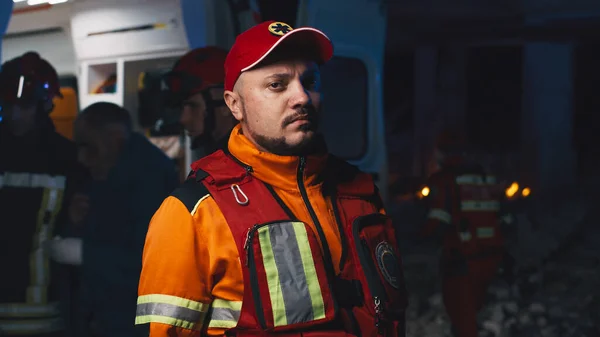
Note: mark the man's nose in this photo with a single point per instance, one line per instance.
(300, 95)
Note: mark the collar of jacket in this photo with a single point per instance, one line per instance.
(278, 171)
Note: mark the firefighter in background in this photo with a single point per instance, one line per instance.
(195, 88)
(38, 169)
(464, 204)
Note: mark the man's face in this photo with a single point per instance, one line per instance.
(20, 117)
(96, 150)
(279, 105)
(193, 112)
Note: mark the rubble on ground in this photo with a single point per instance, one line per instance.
(561, 300)
(555, 292)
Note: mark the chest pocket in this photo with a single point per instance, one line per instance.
(287, 274)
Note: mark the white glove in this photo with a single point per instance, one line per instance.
(66, 251)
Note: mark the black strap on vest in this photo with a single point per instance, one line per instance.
(191, 190)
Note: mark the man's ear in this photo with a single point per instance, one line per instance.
(234, 102)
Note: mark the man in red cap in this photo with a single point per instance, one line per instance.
(272, 235)
(196, 90)
(38, 173)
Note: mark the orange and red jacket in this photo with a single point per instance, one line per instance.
(464, 205)
(266, 249)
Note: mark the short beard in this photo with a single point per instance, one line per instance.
(278, 146)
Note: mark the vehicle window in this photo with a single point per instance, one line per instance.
(345, 106)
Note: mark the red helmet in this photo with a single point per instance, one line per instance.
(28, 78)
(199, 69)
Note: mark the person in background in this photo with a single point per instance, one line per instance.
(195, 87)
(131, 177)
(38, 172)
(464, 214)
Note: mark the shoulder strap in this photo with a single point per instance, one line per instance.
(244, 202)
(190, 192)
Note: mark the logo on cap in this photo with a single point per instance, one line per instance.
(280, 28)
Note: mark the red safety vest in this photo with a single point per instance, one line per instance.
(470, 201)
(289, 279)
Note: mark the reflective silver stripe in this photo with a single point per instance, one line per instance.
(32, 180)
(474, 206)
(224, 314)
(486, 232)
(465, 236)
(171, 310)
(474, 179)
(168, 310)
(507, 219)
(440, 214)
(30, 327)
(294, 287)
(29, 310)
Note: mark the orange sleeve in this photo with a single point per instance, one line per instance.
(191, 282)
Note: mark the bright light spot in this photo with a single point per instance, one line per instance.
(36, 2)
(526, 192)
(21, 82)
(39, 2)
(512, 190)
(19, 0)
(425, 191)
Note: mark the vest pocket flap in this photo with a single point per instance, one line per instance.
(288, 276)
(376, 251)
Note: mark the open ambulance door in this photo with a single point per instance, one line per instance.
(352, 115)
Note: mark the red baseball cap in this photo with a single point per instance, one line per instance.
(256, 43)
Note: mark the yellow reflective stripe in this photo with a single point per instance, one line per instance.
(195, 209)
(474, 179)
(224, 314)
(440, 214)
(31, 327)
(171, 310)
(275, 292)
(477, 206)
(310, 271)
(292, 281)
(486, 232)
(39, 263)
(29, 310)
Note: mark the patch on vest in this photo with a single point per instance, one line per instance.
(388, 263)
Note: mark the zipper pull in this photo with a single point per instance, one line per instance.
(378, 311)
(248, 242)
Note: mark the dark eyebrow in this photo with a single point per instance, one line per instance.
(279, 76)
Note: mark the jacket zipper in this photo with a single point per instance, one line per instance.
(325, 246)
(250, 264)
